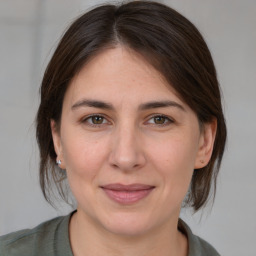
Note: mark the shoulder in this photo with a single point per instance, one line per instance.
(40, 240)
(197, 245)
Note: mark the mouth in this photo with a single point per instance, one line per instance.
(127, 194)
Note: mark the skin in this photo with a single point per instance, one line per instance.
(127, 144)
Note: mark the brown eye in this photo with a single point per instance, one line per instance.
(97, 119)
(159, 119)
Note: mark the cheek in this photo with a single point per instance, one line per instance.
(174, 153)
(84, 158)
(174, 159)
(83, 155)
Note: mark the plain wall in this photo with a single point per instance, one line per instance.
(29, 31)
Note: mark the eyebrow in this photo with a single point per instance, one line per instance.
(93, 104)
(143, 106)
(161, 104)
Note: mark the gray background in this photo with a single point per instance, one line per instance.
(29, 31)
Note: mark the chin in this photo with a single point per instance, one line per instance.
(129, 225)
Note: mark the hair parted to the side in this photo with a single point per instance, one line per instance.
(169, 42)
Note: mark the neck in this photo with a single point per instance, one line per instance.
(87, 238)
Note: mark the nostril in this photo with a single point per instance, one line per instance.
(127, 163)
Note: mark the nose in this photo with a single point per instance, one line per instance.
(127, 152)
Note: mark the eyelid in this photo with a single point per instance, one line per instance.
(84, 120)
(169, 119)
(106, 121)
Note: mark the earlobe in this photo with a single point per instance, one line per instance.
(206, 144)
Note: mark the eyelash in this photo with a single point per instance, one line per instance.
(168, 120)
(85, 120)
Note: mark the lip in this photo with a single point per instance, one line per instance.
(127, 194)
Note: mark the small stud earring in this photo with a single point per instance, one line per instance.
(58, 162)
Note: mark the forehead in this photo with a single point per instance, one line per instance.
(119, 74)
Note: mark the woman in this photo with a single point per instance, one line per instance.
(131, 113)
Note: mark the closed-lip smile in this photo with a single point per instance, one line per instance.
(127, 194)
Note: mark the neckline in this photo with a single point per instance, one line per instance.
(64, 237)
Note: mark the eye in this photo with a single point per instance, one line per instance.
(160, 120)
(95, 120)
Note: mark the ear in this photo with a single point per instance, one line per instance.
(206, 143)
(57, 143)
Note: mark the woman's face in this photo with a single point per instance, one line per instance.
(128, 143)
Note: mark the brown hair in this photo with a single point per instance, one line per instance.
(169, 42)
